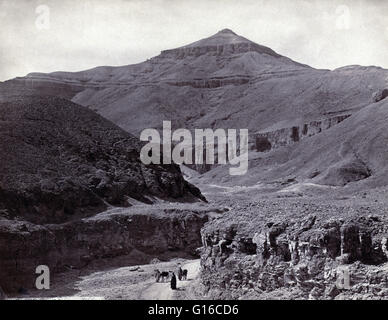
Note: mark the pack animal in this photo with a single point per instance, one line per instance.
(161, 276)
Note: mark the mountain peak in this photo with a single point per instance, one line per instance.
(223, 37)
(223, 42)
(226, 31)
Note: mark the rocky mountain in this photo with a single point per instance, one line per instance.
(224, 81)
(313, 201)
(294, 113)
(60, 161)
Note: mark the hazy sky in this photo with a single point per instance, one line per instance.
(51, 35)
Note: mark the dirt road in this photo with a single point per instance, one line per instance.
(162, 291)
(126, 283)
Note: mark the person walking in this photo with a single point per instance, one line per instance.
(179, 272)
(173, 281)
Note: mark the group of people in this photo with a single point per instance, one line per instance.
(163, 276)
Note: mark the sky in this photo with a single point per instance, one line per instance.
(74, 35)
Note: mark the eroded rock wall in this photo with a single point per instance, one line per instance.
(212, 82)
(266, 141)
(224, 49)
(304, 258)
(24, 246)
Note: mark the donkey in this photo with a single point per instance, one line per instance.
(184, 274)
(163, 276)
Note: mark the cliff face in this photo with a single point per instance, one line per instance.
(302, 257)
(225, 42)
(266, 141)
(212, 82)
(42, 85)
(140, 234)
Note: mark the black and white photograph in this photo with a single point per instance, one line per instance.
(193, 150)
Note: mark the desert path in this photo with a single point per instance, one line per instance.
(162, 291)
(126, 283)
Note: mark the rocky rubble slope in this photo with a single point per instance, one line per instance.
(60, 161)
(295, 249)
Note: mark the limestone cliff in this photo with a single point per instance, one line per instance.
(139, 234)
(268, 140)
(303, 256)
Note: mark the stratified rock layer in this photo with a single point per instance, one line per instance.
(280, 250)
(268, 140)
(140, 235)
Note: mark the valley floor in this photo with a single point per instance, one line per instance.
(126, 283)
(247, 207)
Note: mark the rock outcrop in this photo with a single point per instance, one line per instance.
(305, 257)
(273, 139)
(212, 82)
(224, 42)
(380, 95)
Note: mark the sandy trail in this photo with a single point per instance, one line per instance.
(162, 291)
(125, 283)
